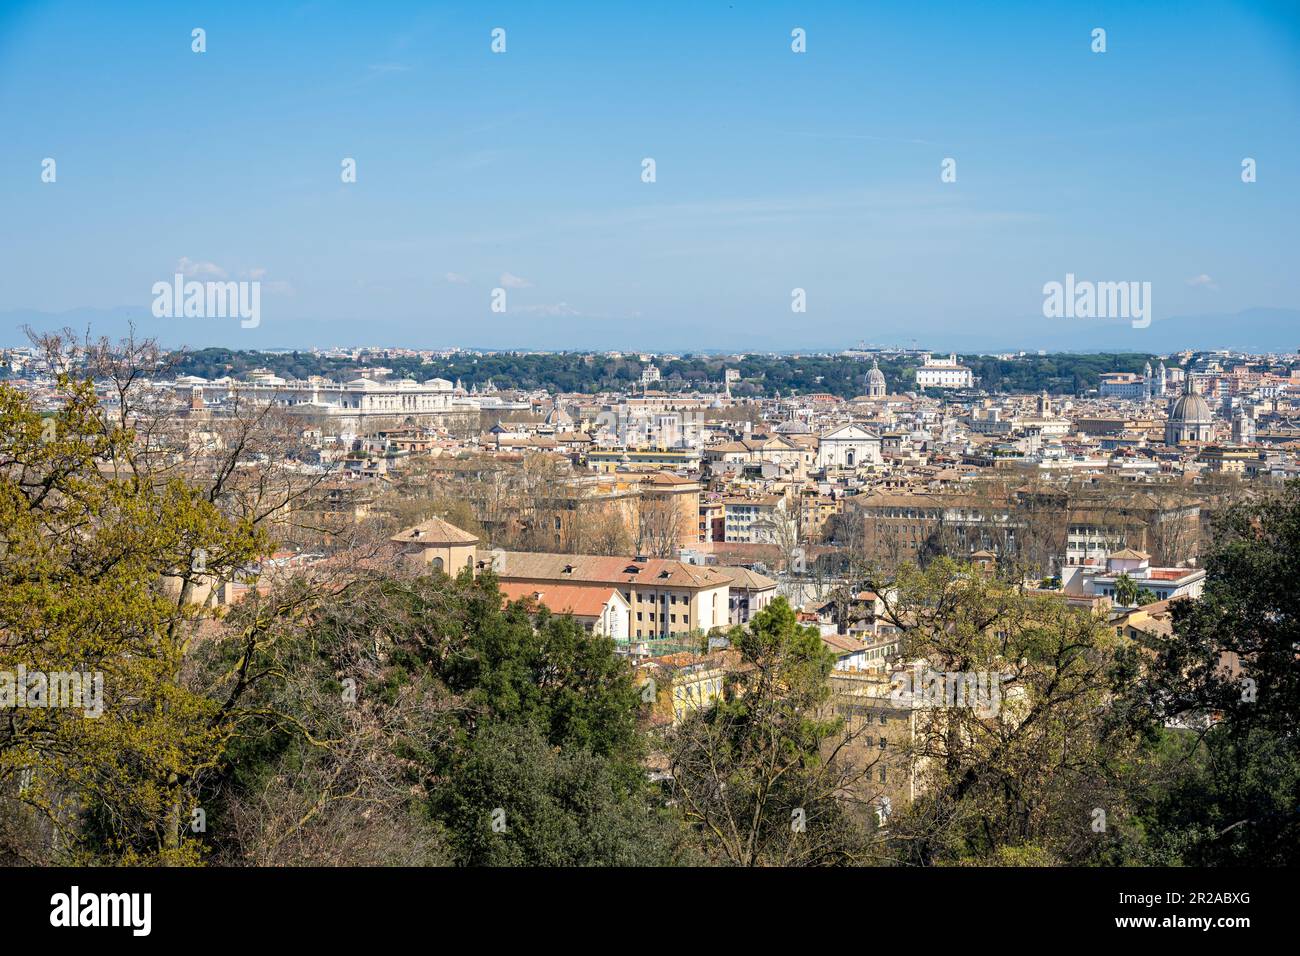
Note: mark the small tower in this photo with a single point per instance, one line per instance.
(1243, 426)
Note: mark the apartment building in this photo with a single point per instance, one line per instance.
(685, 683)
(642, 459)
(713, 520)
(752, 520)
(814, 512)
(749, 593)
(1072, 525)
(881, 738)
(1164, 583)
(665, 598)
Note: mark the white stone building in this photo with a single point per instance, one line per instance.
(848, 446)
(941, 373)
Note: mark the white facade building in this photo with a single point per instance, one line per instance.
(941, 373)
(848, 446)
(351, 403)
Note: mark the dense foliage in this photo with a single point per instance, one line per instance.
(761, 375)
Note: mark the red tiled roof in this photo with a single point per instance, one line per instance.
(591, 569)
(434, 531)
(575, 599)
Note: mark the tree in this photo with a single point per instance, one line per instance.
(761, 777)
(1126, 590)
(660, 526)
(86, 549)
(390, 719)
(1225, 686)
(1027, 766)
(511, 799)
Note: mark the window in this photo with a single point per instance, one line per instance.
(883, 742)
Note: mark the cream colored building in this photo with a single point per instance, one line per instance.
(439, 544)
(603, 611)
(664, 597)
(686, 683)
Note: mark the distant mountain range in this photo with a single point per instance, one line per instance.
(1250, 330)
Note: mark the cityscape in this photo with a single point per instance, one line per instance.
(682, 511)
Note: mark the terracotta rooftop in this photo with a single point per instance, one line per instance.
(843, 643)
(576, 599)
(666, 478)
(600, 569)
(1130, 554)
(435, 531)
(745, 578)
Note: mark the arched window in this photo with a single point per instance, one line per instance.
(437, 564)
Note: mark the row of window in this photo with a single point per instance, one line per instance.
(652, 597)
(671, 618)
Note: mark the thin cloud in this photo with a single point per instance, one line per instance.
(554, 310)
(192, 269)
(511, 281)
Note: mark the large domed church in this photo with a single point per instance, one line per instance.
(1190, 419)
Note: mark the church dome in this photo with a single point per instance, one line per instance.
(1190, 418)
(875, 381)
(1190, 408)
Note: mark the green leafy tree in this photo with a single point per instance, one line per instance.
(761, 777)
(1126, 590)
(1226, 687)
(87, 549)
(1026, 767)
(459, 706)
(512, 799)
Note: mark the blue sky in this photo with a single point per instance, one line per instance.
(775, 170)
